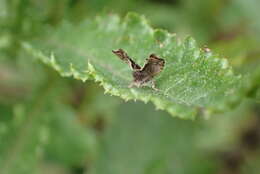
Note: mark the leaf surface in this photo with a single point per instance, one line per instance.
(193, 79)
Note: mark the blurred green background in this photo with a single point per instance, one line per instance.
(55, 125)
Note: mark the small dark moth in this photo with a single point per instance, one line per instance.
(142, 75)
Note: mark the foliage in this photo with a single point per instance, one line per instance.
(51, 124)
(193, 78)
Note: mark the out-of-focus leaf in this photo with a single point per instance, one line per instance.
(149, 141)
(252, 166)
(219, 133)
(99, 107)
(241, 16)
(69, 142)
(17, 82)
(258, 95)
(192, 78)
(3, 9)
(25, 132)
(23, 136)
(240, 51)
(243, 53)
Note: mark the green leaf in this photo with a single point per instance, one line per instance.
(70, 143)
(22, 140)
(42, 128)
(151, 142)
(244, 57)
(192, 80)
(3, 9)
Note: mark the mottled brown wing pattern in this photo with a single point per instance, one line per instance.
(153, 66)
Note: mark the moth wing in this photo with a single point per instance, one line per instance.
(153, 65)
(123, 56)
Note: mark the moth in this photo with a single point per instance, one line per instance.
(142, 75)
